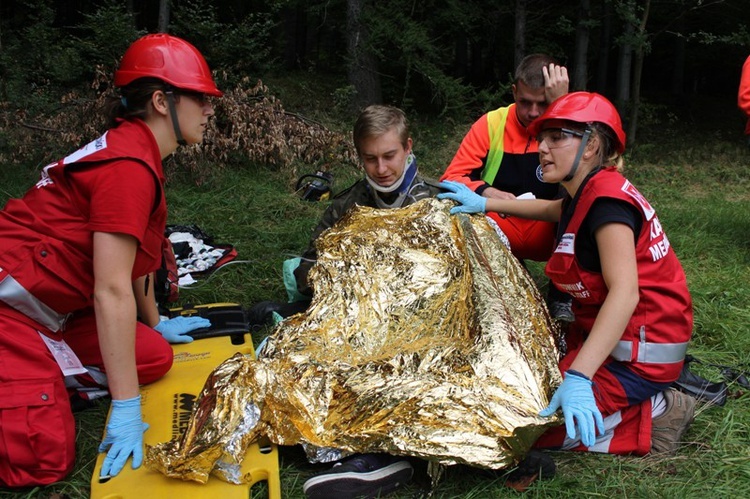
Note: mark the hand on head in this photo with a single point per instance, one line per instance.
(556, 82)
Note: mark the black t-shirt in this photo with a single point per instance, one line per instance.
(604, 211)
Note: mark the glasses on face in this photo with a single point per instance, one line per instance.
(200, 98)
(557, 137)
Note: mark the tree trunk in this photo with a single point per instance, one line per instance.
(478, 67)
(624, 64)
(520, 32)
(290, 21)
(640, 54)
(363, 67)
(311, 37)
(678, 72)
(460, 57)
(163, 26)
(580, 56)
(604, 47)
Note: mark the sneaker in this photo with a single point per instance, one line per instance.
(667, 430)
(262, 313)
(562, 311)
(362, 476)
(536, 465)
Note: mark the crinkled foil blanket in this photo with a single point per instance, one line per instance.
(425, 338)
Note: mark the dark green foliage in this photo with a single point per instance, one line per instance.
(241, 47)
(42, 60)
(105, 34)
(420, 72)
(37, 60)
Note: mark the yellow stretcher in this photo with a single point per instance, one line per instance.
(166, 406)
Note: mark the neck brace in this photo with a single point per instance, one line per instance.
(394, 195)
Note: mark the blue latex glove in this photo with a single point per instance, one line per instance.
(176, 330)
(124, 436)
(470, 201)
(576, 397)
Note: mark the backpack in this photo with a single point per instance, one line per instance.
(166, 278)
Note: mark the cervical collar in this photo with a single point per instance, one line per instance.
(394, 195)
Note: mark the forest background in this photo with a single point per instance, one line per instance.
(661, 61)
(295, 74)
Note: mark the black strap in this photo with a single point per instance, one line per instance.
(732, 374)
(173, 114)
(579, 153)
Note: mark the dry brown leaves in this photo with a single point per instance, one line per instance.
(249, 123)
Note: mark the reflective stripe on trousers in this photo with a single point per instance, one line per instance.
(18, 297)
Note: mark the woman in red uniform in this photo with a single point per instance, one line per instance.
(74, 255)
(633, 312)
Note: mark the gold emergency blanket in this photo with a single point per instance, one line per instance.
(425, 338)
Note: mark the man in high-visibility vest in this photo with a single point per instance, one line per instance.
(498, 158)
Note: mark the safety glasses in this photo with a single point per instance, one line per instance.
(200, 98)
(557, 137)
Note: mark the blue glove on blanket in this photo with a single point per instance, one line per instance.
(176, 330)
(124, 436)
(471, 202)
(576, 397)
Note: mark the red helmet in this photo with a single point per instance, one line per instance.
(169, 59)
(583, 107)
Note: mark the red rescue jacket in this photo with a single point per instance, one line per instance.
(656, 337)
(46, 250)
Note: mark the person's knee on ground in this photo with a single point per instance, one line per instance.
(37, 432)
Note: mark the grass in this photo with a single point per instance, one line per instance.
(699, 187)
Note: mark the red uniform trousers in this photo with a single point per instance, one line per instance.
(627, 425)
(529, 239)
(37, 428)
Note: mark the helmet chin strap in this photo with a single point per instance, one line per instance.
(173, 114)
(579, 153)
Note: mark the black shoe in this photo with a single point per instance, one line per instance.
(560, 304)
(562, 311)
(535, 466)
(80, 404)
(363, 476)
(699, 387)
(261, 314)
